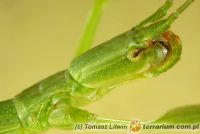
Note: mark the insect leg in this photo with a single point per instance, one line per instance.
(68, 118)
(160, 13)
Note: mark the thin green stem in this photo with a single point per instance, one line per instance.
(90, 27)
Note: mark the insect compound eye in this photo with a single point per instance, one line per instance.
(162, 42)
(133, 54)
(165, 45)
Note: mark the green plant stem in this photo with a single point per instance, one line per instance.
(90, 27)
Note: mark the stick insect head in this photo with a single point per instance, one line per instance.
(120, 59)
(147, 50)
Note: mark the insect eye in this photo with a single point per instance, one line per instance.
(162, 42)
(165, 44)
(133, 54)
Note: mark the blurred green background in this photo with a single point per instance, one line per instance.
(39, 37)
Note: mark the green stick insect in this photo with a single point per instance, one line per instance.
(145, 51)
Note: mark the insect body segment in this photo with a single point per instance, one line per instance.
(9, 122)
(46, 105)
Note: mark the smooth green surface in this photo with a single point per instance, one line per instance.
(9, 120)
(182, 115)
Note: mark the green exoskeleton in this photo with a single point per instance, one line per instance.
(145, 51)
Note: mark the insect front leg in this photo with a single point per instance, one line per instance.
(67, 118)
(64, 116)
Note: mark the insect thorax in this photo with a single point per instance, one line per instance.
(35, 104)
